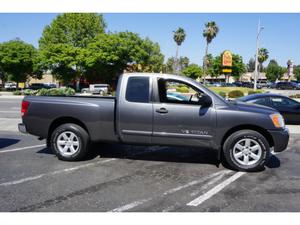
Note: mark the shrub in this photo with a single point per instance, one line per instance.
(17, 92)
(251, 92)
(222, 93)
(295, 96)
(29, 92)
(56, 92)
(182, 89)
(235, 94)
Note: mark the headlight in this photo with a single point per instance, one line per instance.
(277, 120)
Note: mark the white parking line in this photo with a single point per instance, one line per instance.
(55, 172)
(215, 190)
(130, 205)
(11, 111)
(134, 204)
(23, 148)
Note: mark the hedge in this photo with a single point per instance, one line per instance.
(235, 94)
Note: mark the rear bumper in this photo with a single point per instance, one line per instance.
(22, 128)
(280, 138)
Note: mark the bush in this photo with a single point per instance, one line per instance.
(235, 94)
(222, 93)
(17, 92)
(295, 96)
(251, 92)
(56, 92)
(182, 89)
(29, 92)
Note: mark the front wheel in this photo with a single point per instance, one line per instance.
(70, 142)
(246, 150)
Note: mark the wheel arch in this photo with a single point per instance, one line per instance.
(256, 128)
(63, 120)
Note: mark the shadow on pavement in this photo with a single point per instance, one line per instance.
(5, 142)
(154, 153)
(273, 162)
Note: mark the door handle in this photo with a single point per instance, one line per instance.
(162, 110)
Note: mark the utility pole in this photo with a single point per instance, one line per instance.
(259, 29)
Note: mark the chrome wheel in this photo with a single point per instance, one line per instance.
(68, 143)
(247, 152)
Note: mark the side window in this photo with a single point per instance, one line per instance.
(260, 101)
(137, 89)
(171, 91)
(278, 101)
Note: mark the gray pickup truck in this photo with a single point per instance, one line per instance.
(157, 109)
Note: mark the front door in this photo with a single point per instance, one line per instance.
(135, 112)
(178, 119)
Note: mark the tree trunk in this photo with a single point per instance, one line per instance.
(205, 63)
(176, 60)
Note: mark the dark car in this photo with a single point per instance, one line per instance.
(250, 85)
(288, 85)
(37, 86)
(289, 108)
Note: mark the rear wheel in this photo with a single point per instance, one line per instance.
(70, 142)
(246, 150)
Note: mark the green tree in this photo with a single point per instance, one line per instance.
(17, 58)
(193, 71)
(251, 65)
(110, 54)
(209, 33)
(63, 43)
(274, 71)
(263, 55)
(297, 72)
(183, 62)
(238, 66)
(179, 37)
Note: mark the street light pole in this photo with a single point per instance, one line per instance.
(259, 28)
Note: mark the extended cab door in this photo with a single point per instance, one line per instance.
(134, 109)
(178, 118)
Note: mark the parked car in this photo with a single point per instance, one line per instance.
(271, 85)
(288, 108)
(228, 85)
(141, 113)
(288, 85)
(96, 89)
(238, 83)
(10, 86)
(38, 86)
(250, 85)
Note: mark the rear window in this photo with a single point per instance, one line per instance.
(137, 89)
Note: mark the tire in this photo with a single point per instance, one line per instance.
(245, 144)
(69, 142)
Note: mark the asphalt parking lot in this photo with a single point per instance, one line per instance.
(137, 178)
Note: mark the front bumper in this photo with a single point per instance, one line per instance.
(22, 128)
(280, 138)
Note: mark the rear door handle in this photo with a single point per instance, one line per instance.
(162, 110)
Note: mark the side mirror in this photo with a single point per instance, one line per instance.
(205, 100)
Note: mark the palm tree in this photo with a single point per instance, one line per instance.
(263, 55)
(209, 33)
(179, 37)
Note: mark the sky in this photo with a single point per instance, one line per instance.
(238, 31)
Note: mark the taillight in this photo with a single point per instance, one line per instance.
(24, 108)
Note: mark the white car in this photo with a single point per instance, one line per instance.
(96, 89)
(10, 85)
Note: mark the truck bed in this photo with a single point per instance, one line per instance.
(97, 114)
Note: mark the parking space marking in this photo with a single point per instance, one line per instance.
(215, 190)
(130, 205)
(23, 148)
(217, 176)
(54, 173)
